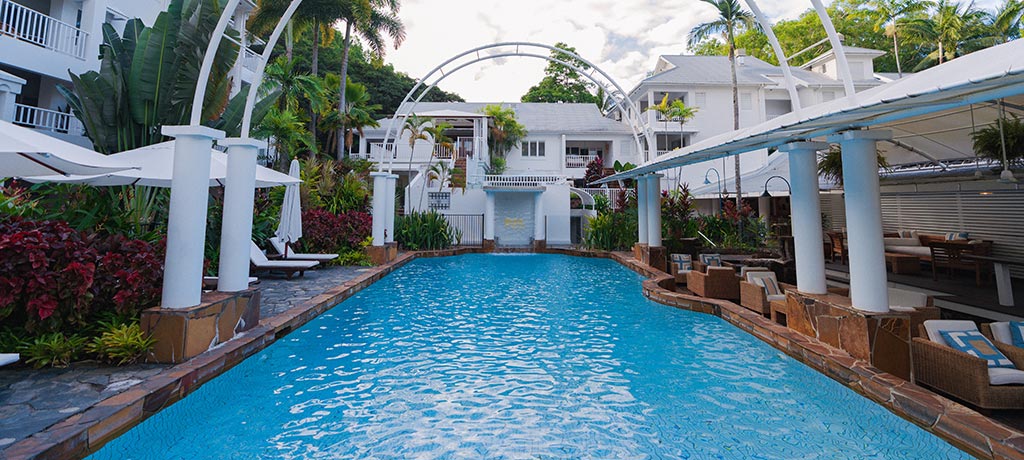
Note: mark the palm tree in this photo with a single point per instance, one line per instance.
(675, 111)
(1007, 22)
(890, 19)
(370, 20)
(297, 89)
(732, 20)
(416, 126)
(953, 28)
(505, 134)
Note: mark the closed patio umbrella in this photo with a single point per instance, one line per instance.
(290, 228)
(26, 152)
(155, 163)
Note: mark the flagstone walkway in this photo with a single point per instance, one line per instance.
(32, 400)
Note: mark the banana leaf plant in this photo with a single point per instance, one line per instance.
(148, 75)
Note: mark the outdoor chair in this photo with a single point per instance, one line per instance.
(260, 263)
(285, 251)
(919, 306)
(759, 289)
(999, 332)
(838, 247)
(717, 283)
(707, 260)
(966, 376)
(8, 358)
(681, 265)
(950, 255)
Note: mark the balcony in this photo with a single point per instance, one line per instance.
(31, 26)
(578, 161)
(47, 120)
(521, 182)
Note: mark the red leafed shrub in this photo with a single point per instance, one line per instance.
(325, 232)
(129, 276)
(52, 278)
(46, 270)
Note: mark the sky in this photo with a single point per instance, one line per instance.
(624, 37)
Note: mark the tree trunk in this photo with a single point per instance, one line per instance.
(736, 124)
(289, 42)
(316, 73)
(896, 50)
(344, 81)
(942, 53)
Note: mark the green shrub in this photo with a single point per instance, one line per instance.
(56, 350)
(612, 231)
(425, 231)
(121, 344)
(11, 340)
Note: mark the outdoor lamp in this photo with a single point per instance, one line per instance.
(769, 195)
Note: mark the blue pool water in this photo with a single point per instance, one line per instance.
(534, 356)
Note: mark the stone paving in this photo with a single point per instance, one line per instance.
(32, 400)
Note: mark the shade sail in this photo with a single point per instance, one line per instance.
(289, 229)
(27, 152)
(155, 164)
(977, 78)
(754, 182)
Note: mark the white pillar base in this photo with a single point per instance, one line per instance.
(389, 220)
(186, 222)
(868, 279)
(380, 207)
(641, 209)
(236, 226)
(806, 215)
(538, 217)
(654, 209)
(489, 217)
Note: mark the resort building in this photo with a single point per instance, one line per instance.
(43, 41)
(531, 200)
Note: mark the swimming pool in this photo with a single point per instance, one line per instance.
(522, 356)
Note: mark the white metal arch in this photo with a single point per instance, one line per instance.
(617, 95)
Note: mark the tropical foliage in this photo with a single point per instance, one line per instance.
(425, 231)
(991, 140)
(830, 164)
(562, 83)
(505, 134)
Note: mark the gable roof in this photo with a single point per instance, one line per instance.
(536, 117)
(714, 70)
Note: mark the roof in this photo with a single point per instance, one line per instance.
(976, 78)
(536, 117)
(714, 70)
(777, 166)
(849, 50)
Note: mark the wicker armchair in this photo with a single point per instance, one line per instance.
(717, 283)
(680, 272)
(754, 297)
(963, 376)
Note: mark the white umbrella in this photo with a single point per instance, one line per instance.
(155, 164)
(27, 152)
(290, 228)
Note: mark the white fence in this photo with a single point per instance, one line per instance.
(51, 120)
(41, 30)
(578, 161)
(611, 193)
(251, 60)
(521, 181)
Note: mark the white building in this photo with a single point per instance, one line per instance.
(41, 41)
(704, 82)
(531, 200)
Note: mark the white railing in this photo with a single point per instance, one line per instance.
(41, 30)
(611, 193)
(378, 148)
(578, 161)
(251, 60)
(444, 152)
(521, 181)
(51, 120)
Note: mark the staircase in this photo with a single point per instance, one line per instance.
(459, 173)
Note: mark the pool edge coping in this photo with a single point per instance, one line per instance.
(86, 432)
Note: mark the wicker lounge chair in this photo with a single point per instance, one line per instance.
(717, 283)
(260, 263)
(754, 295)
(964, 376)
(680, 266)
(286, 252)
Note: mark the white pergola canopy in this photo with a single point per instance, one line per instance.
(26, 152)
(977, 78)
(754, 181)
(154, 165)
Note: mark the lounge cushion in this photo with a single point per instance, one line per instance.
(711, 260)
(1005, 376)
(935, 326)
(901, 242)
(905, 298)
(956, 236)
(975, 344)
(683, 261)
(9, 358)
(1017, 333)
(771, 287)
(745, 269)
(920, 251)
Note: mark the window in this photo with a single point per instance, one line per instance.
(746, 101)
(700, 99)
(828, 96)
(533, 149)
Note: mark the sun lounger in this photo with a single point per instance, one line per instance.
(260, 263)
(8, 358)
(286, 253)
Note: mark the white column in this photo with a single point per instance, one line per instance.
(806, 215)
(380, 206)
(489, 216)
(868, 289)
(236, 226)
(764, 208)
(389, 220)
(94, 14)
(538, 217)
(186, 222)
(641, 208)
(654, 209)
(562, 153)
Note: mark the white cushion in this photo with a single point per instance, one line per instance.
(776, 297)
(902, 242)
(935, 326)
(912, 250)
(745, 269)
(1005, 376)
(9, 358)
(281, 248)
(278, 245)
(753, 276)
(905, 298)
(902, 309)
(1001, 332)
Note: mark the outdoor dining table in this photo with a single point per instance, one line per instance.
(1001, 267)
